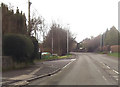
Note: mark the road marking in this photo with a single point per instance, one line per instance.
(115, 71)
(35, 71)
(103, 64)
(69, 63)
(65, 66)
(116, 77)
(73, 59)
(108, 67)
(104, 78)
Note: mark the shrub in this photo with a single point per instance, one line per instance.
(36, 48)
(18, 46)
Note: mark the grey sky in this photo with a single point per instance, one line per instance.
(86, 17)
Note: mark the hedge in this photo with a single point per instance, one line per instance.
(20, 47)
(36, 48)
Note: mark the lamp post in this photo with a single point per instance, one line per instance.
(52, 41)
(68, 39)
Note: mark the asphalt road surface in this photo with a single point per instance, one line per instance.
(87, 69)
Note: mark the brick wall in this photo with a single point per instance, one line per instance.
(115, 48)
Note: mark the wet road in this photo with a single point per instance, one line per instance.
(87, 69)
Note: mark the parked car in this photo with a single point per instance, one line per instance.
(45, 54)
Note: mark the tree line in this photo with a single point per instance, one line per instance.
(59, 36)
(17, 36)
(13, 22)
(108, 38)
(16, 41)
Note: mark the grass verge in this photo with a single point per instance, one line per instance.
(114, 54)
(54, 58)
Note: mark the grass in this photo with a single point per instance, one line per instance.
(53, 58)
(66, 56)
(102, 52)
(111, 54)
(114, 54)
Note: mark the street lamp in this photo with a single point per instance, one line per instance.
(52, 41)
(68, 39)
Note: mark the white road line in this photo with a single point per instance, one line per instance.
(65, 66)
(108, 67)
(73, 60)
(116, 77)
(102, 63)
(115, 71)
(69, 63)
(104, 78)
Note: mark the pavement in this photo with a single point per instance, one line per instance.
(87, 69)
(38, 70)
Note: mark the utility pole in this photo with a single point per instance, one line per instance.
(67, 41)
(101, 42)
(29, 28)
(52, 41)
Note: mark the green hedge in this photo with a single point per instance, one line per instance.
(36, 48)
(20, 47)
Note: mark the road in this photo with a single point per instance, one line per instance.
(87, 69)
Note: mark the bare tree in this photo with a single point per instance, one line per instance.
(59, 37)
(35, 24)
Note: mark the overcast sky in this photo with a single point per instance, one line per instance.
(85, 17)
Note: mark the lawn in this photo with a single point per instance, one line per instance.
(114, 54)
(54, 58)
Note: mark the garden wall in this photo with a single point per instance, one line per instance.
(7, 62)
(115, 48)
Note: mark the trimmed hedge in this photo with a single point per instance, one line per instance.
(20, 47)
(36, 48)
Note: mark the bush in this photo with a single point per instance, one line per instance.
(19, 47)
(36, 48)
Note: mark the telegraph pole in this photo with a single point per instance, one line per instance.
(101, 43)
(67, 41)
(29, 28)
(52, 41)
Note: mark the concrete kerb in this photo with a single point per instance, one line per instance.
(45, 75)
(27, 81)
(49, 74)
